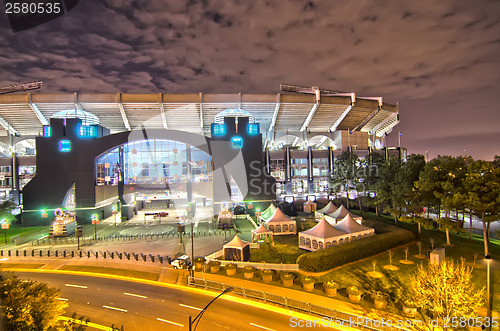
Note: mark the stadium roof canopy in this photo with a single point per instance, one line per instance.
(24, 114)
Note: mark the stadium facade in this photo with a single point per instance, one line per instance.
(92, 152)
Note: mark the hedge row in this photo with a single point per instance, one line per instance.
(336, 256)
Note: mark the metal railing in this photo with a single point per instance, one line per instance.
(97, 254)
(288, 303)
(142, 236)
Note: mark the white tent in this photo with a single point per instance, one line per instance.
(261, 231)
(328, 209)
(309, 206)
(323, 235)
(356, 231)
(237, 250)
(340, 213)
(279, 223)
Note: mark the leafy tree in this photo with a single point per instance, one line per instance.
(482, 183)
(30, 305)
(496, 161)
(446, 290)
(422, 222)
(6, 207)
(386, 186)
(347, 173)
(448, 224)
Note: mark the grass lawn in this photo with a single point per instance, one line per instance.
(113, 271)
(22, 231)
(286, 251)
(21, 265)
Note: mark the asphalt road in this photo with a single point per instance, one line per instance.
(143, 307)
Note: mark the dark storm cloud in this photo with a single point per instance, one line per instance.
(439, 59)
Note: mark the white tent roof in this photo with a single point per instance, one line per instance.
(342, 212)
(236, 242)
(328, 209)
(269, 212)
(324, 230)
(278, 217)
(349, 225)
(261, 229)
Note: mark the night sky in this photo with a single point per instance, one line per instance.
(439, 59)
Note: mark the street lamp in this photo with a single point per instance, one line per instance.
(198, 317)
(488, 294)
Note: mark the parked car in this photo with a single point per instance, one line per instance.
(182, 262)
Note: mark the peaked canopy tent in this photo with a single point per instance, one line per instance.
(322, 235)
(339, 214)
(268, 212)
(237, 250)
(356, 231)
(279, 223)
(328, 209)
(261, 231)
(309, 206)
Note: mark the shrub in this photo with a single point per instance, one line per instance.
(353, 290)
(336, 256)
(288, 275)
(331, 284)
(231, 266)
(200, 260)
(267, 271)
(214, 263)
(308, 280)
(249, 269)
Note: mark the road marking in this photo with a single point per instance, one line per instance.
(195, 308)
(135, 295)
(71, 285)
(261, 327)
(167, 321)
(62, 299)
(114, 308)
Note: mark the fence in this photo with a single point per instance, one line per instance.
(87, 254)
(142, 236)
(288, 303)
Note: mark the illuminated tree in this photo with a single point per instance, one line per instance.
(483, 194)
(29, 305)
(446, 290)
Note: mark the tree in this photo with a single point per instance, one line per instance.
(496, 161)
(346, 174)
(6, 210)
(446, 290)
(29, 305)
(482, 184)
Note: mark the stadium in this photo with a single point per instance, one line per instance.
(202, 152)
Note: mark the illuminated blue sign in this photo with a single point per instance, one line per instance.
(47, 131)
(218, 129)
(237, 142)
(87, 131)
(64, 146)
(253, 129)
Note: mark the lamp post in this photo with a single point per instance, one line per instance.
(198, 317)
(192, 248)
(488, 293)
